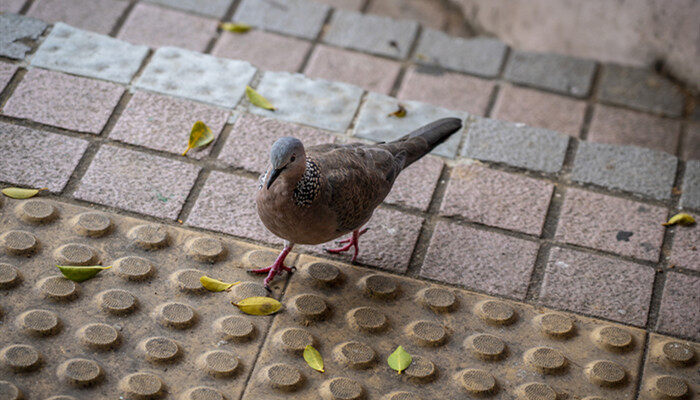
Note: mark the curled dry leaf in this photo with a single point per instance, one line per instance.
(313, 358)
(399, 360)
(215, 285)
(400, 113)
(200, 135)
(258, 305)
(79, 273)
(680, 219)
(20, 193)
(235, 27)
(257, 99)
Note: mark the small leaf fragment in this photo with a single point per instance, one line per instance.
(79, 273)
(215, 285)
(258, 305)
(200, 135)
(257, 99)
(680, 219)
(313, 358)
(235, 27)
(20, 193)
(400, 113)
(399, 360)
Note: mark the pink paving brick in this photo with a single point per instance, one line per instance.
(680, 306)
(446, 89)
(496, 198)
(539, 109)
(415, 185)
(690, 149)
(164, 123)
(155, 26)
(611, 224)
(266, 50)
(428, 12)
(685, 251)
(369, 72)
(65, 101)
(12, 6)
(480, 260)
(614, 125)
(91, 15)
(599, 286)
(7, 71)
(248, 145)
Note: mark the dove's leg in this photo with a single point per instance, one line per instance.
(276, 267)
(353, 241)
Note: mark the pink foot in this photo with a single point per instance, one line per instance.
(274, 269)
(353, 241)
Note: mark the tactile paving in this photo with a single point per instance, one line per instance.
(671, 369)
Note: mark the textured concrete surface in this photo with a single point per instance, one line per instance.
(315, 102)
(477, 56)
(690, 196)
(164, 123)
(690, 148)
(265, 50)
(12, 6)
(99, 16)
(211, 8)
(6, 73)
(632, 169)
(79, 52)
(375, 123)
(353, 5)
(415, 185)
(481, 260)
(612, 224)
(368, 72)
(496, 198)
(446, 89)
(669, 368)
(679, 312)
(65, 101)
(430, 14)
(295, 17)
(38, 159)
(137, 182)
(685, 252)
(596, 285)
(212, 80)
(371, 33)
(15, 32)
(558, 73)
(514, 144)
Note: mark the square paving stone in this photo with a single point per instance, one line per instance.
(15, 6)
(65, 101)
(79, 52)
(614, 125)
(514, 144)
(415, 185)
(265, 50)
(539, 109)
(315, 102)
(611, 224)
(208, 79)
(368, 72)
(477, 56)
(164, 123)
(98, 16)
(690, 196)
(248, 145)
(641, 89)
(7, 71)
(137, 182)
(227, 204)
(480, 260)
(15, 32)
(496, 198)
(455, 91)
(679, 314)
(155, 27)
(555, 72)
(690, 149)
(599, 286)
(292, 17)
(685, 252)
(375, 123)
(38, 159)
(430, 14)
(354, 5)
(370, 33)
(629, 168)
(211, 8)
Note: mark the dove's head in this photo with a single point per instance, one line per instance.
(287, 157)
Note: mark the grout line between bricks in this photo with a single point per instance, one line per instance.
(219, 32)
(25, 8)
(122, 19)
(316, 41)
(193, 195)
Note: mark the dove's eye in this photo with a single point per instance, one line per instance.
(293, 158)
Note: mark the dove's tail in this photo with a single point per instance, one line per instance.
(423, 140)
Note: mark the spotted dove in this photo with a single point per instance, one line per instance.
(315, 195)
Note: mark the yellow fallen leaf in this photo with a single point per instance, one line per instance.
(257, 99)
(200, 135)
(313, 358)
(680, 219)
(399, 360)
(215, 285)
(400, 113)
(78, 273)
(234, 27)
(20, 193)
(258, 305)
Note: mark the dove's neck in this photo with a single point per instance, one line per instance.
(308, 185)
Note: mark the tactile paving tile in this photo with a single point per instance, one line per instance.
(464, 345)
(144, 329)
(671, 369)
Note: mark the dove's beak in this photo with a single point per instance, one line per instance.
(273, 176)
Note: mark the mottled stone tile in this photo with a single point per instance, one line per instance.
(679, 314)
(15, 32)
(555, 72)
(685, 251)
(430, 13)
(415, 185)
(13, 6)
(690, 191)
(353, 5)
(268, 51)
(7, 71)
(690, 148)
(477, 56)
(211, 8)
(299, 18)
(99, 16)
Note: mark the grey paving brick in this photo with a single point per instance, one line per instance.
(137, 182)
(315, 102)
(478, 56)
(632, 169)
(690, 198)
(79, 52)
(514, 144)
(292, 17)
(211, 8)
(34, 158)
(15, 30)
(371, 33)
(374, 122)
(641, 89)
(210, 80)
(555, 72)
